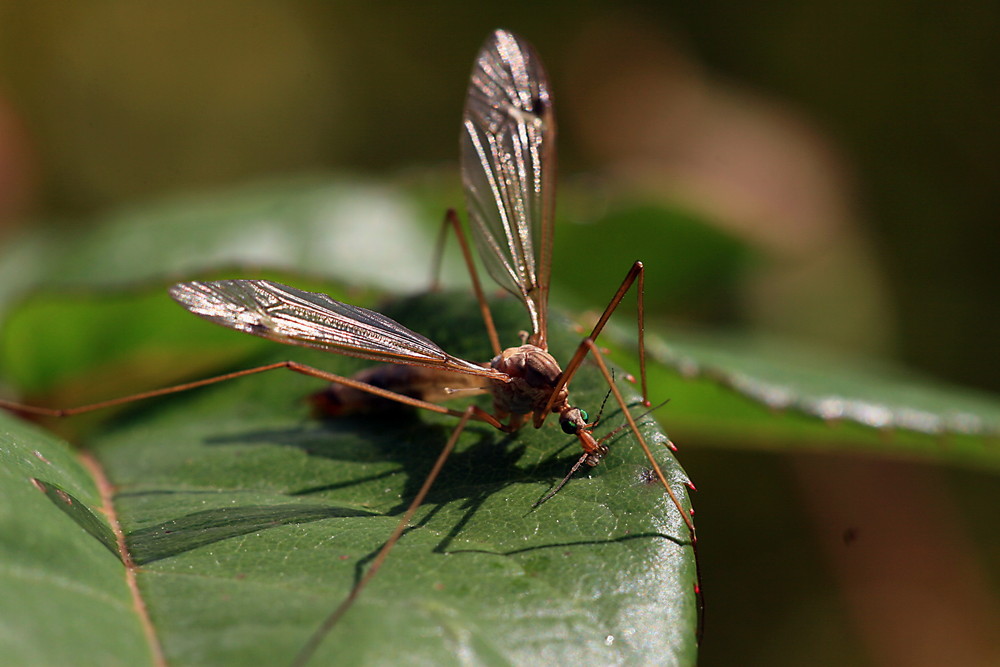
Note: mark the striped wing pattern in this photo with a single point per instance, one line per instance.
(288, 315)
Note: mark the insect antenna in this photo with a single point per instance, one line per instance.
(625, 424)
(600, 411)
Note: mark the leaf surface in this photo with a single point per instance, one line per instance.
(249, 521)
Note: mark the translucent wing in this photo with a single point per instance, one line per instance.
(287, 315)
(508, 163)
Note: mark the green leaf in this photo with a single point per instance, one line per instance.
(249, 520)
(696, 279)
(750, 392)
(64, 599)
(343, 228)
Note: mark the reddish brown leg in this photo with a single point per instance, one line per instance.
(451, 220)
(290, 365)
(472, 412)
(588, 345)
(599, 358)
(328, 624)
(636, 272)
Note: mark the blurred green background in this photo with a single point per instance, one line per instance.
(851, 145)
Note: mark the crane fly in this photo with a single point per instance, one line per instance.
(508, 168)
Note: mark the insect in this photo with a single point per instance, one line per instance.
(508, 169)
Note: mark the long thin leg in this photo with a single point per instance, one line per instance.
(451, 220)
(290, 365)
(599, 358)
(634, 273)
(472, 412)
(328, 624)
(688, 521)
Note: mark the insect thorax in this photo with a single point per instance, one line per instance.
(535, 374)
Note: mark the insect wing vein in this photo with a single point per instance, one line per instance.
(288, 315)
(507, 123)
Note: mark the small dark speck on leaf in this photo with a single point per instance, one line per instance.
(647, 476)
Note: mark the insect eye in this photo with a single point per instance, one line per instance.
(568, 427)
(584, 415)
